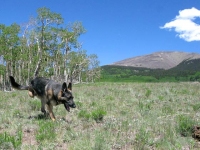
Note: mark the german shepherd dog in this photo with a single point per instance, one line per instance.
(49, 92)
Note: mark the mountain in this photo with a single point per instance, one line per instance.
(188, 65)
(158, 60)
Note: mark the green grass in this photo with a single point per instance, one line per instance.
(8, 141)
(108, 116)
(46, 131)
(185, 125)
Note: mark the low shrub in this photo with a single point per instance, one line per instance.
(98, 114)
(185, 125)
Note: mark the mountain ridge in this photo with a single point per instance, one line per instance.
(158, 60)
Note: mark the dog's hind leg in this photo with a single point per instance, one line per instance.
(50, 109)
(31, 92)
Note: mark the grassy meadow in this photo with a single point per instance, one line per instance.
(109, 116)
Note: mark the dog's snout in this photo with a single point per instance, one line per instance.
(72, 104)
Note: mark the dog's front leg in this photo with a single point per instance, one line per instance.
(50, 109)
(43, 103)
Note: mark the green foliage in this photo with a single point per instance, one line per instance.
(195, 77)
(46, 131)
(6, 138)
(142, 138)
(185, 71)
(45, 13)
(100, 142)
(196, 107)
(184, 125)
(148, 93)
(79, 104)
(35, 105)
(160, 97)
(14, 95)
(167, 109)
(96, 114)
(47, 43)
(17, 113)
(84, 114)
(144, 107)
(2, 69)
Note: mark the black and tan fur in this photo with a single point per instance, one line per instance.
(49, 92)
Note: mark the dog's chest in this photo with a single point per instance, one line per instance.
(53, 102)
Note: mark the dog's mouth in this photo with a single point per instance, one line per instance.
(67, 106)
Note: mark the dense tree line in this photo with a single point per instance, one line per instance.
(44, 46)
(188, 70)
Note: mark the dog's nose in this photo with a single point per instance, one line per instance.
(74, 106)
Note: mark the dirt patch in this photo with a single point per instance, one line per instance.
(29, 136)
(196, 132)
(1, 130)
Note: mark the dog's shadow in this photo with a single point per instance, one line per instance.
(39, 117)
(46, 117)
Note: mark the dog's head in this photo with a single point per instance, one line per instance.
(67, 96)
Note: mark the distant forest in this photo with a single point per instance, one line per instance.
(188, 70)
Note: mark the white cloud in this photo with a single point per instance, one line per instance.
(185, 26)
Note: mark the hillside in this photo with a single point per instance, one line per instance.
(158, 60)
(189, 65)
(187, 70)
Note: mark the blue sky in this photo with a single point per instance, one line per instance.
(120, 29)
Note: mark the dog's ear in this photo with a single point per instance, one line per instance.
(64, 86)
(69, 86)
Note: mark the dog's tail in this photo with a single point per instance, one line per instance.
(15, 85)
